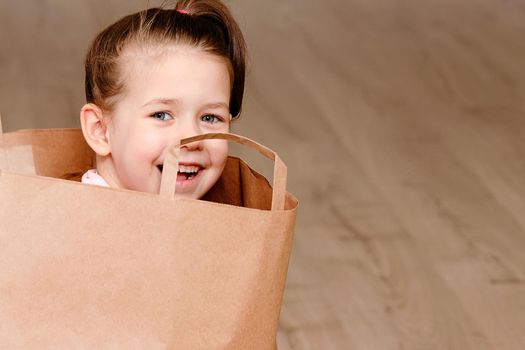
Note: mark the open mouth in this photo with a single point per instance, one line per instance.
(186, 172)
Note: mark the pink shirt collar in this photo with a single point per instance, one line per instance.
(91, 177)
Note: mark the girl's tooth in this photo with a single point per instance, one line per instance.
(188, 169)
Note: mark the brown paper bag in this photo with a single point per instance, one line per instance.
(88, 267)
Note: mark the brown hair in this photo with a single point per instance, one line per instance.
(206, 24)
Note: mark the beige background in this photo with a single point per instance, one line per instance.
(402, 125)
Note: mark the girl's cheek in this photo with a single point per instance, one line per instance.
(148, 147)
(153, 138)
(220, 150)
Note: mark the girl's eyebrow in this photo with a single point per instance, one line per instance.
(174, 101)
(217, 105)
(162, 101)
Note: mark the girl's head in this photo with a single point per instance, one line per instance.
(203, 24)
(157, 76)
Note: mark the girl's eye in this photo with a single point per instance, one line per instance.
(210, 118)
(162, 116)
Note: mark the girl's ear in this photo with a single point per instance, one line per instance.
(95, 129)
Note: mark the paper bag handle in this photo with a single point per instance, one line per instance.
(171, 165)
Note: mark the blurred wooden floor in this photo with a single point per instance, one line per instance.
(402, 123)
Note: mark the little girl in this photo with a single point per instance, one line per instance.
(157, 76)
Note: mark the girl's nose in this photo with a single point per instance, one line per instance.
(193, 146)
(187, 129)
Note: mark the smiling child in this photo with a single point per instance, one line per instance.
(158, 76)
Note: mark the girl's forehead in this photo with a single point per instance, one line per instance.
(136, 59)
(136, 56)
(148, 53)
(178, 70)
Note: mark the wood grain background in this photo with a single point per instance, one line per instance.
(402, 125)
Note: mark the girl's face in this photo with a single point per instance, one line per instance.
(180, 92)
